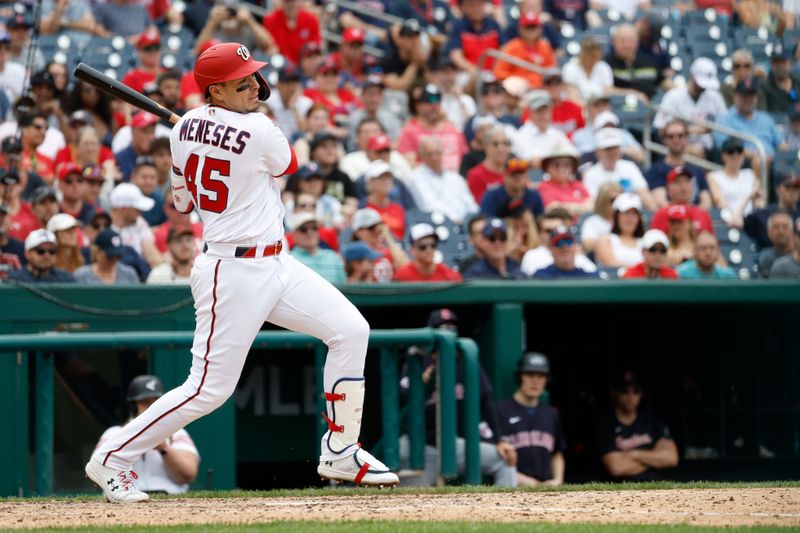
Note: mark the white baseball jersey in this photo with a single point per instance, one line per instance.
(212, 148)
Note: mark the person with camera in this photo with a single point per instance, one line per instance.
(232, 21)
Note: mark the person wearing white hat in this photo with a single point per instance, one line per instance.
(622, 247)
(68, 248)
(379, 182)
(327, 263)
(369, 228)
(127, 203)
(655, 245)
(699, 98)
(601, 115)
(610, 167)
(537, 137)
(560, 188)
(40, 252)
(424, 266)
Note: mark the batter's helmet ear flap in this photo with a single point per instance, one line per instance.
(263, 87)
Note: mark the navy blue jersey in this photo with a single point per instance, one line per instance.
(536, 434)
(646, 430)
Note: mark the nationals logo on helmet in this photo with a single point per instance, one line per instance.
(243, 52)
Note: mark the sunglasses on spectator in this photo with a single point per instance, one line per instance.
(737, 151)
(308, 229)
(73, 181)
(376, 227)
(425, 246)
(742, 65)
(674, 135)
(330, 73)
(306, 206)
(99, 226)
(496, 238)
(657, 250)
(43, 251)
(151, 48)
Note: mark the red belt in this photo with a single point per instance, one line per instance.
(244, 251)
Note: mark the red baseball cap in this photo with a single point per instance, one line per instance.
(677, 212)
(148, 38)
(680, 170)
(353, 35)
(69, 168)
(530, 18)
(143, 119)
(381, 142)
(517, 165)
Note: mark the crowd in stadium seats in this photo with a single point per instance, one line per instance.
(439, 140)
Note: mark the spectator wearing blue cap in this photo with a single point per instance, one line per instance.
(563, 246)
(516, 186)
(359, 262)
(781, 90)
(40, 253)
(495, 264)
(106, 268)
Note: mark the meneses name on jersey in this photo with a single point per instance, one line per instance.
(214, 134)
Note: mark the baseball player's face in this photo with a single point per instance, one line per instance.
(238, 95)
(532, 384)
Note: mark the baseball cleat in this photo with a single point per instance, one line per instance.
(118, 486)
(361, 468)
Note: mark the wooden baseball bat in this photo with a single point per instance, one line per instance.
(111, 86)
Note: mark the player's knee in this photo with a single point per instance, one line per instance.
(356, 332)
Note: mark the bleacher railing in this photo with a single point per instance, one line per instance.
(389, 341)
(652, 146)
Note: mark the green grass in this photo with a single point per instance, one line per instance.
(457, 489)
(417, 527)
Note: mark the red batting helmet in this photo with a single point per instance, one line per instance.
(226, 62)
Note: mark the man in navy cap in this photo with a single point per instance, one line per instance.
(743, 116)
(563, 246)
(496, 264)
(633, 445)
(781, 90)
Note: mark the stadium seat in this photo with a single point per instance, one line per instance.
(630, 110)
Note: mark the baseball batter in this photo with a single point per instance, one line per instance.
(225, 158)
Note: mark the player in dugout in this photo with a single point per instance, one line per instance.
(634, 445)
(172, 465)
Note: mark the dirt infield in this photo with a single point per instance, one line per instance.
(708, 507)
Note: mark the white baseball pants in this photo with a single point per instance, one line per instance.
(233, 298)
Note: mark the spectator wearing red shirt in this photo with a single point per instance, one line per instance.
(655, 245)
(425, 104)
(530, 47)
(84, 146)
(567, 115)
(472, 35)
(560, 188)
(680, 188)
(351, 58)
(491, 170)
(19, 214)
(340, 102)
(423, 266)
(379, 180)
(148, 47)
(34, 128)
(292, 27)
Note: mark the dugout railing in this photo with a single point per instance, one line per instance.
(215, 433)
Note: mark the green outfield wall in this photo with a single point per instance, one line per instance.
(720, 361)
